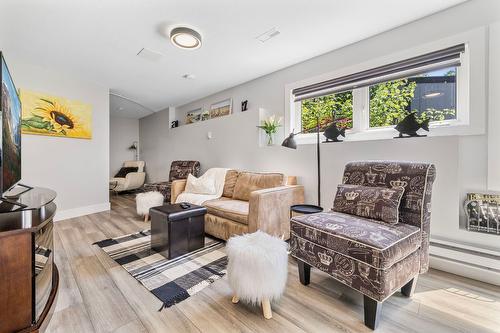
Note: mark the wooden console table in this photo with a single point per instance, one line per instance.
(29, 279)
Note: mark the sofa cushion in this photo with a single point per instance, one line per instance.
(375, 243)
(201, 185)
(162, 187)
(181, 169)
(379, 203)
(375, 283)
(136, 164)
(236, 210)
(249, 181)
(229, 182)
(122, 173)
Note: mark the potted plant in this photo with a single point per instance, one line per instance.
(270, 126)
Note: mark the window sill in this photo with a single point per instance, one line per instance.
(388, 133)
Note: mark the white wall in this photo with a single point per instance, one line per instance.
(462, 162)
(122, 133)
(76, 169)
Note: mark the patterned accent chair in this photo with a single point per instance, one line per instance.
(178, 170)
(371, 256)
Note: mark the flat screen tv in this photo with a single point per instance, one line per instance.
(10, 107)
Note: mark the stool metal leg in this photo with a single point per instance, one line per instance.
(266, 309)
(146, 217)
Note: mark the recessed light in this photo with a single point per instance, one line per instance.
(189, 76)
(185, 38)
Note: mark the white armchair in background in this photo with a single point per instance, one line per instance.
(132, 180)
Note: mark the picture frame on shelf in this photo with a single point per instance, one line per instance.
(205, 115)
(193, 116)
(221, 109)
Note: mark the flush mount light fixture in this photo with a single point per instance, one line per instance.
(185, 38)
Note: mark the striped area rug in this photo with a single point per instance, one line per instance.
(171, 281)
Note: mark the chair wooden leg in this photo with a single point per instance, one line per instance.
(409, 288)
(235, 299)
(304, 272)
(146, 217)
(372, 312)
(266, 309)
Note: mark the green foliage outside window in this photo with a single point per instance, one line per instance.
(323, 107)
(389, 103)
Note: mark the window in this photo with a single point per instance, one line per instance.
(432, 86)
(430, 95)
(326, 108)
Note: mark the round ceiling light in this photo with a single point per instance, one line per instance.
(185, 38)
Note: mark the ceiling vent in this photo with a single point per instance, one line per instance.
(150, 55)
(268, 35)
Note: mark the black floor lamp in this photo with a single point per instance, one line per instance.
(289, 142)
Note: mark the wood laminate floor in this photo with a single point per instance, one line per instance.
(97, 295)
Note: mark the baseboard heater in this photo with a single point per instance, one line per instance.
(464, 260)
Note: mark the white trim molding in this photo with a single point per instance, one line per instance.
(468, 261)
(81, 211)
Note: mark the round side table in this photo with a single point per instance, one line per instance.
(305, 209)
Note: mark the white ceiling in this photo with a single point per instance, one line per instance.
(98, 40)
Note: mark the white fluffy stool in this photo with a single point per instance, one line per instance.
(257, 269)
(147, 200)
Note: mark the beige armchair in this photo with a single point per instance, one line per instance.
(132, 180)
(250, 202)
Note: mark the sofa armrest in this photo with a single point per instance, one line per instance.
(269, 209)
(177, 188)
(134, 180)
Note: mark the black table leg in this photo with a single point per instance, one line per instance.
(372, 312)
(304, 272)
(409, 288)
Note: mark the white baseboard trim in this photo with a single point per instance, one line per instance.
(465, 261)
(81, 211)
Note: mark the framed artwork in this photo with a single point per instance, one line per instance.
(193, 116)
(205, 115)
(221, 109)
(44, 114)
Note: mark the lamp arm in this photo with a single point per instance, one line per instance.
(307, 129)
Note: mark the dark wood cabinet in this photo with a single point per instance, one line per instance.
(28, 275)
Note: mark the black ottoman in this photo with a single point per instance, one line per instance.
(176, 231)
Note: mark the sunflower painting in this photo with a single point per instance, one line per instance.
(55, 116)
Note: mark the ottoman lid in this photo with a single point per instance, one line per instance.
(175, 212)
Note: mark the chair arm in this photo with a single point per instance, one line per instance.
(177, 188)
(269, 209)
(134, 180)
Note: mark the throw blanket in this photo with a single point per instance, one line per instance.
(219, 176)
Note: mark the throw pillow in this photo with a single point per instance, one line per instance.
(202, 185)
(229, 182)
(125, 170)
(248, 182)
(378, 203)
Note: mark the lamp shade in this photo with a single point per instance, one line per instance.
(290, 142)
